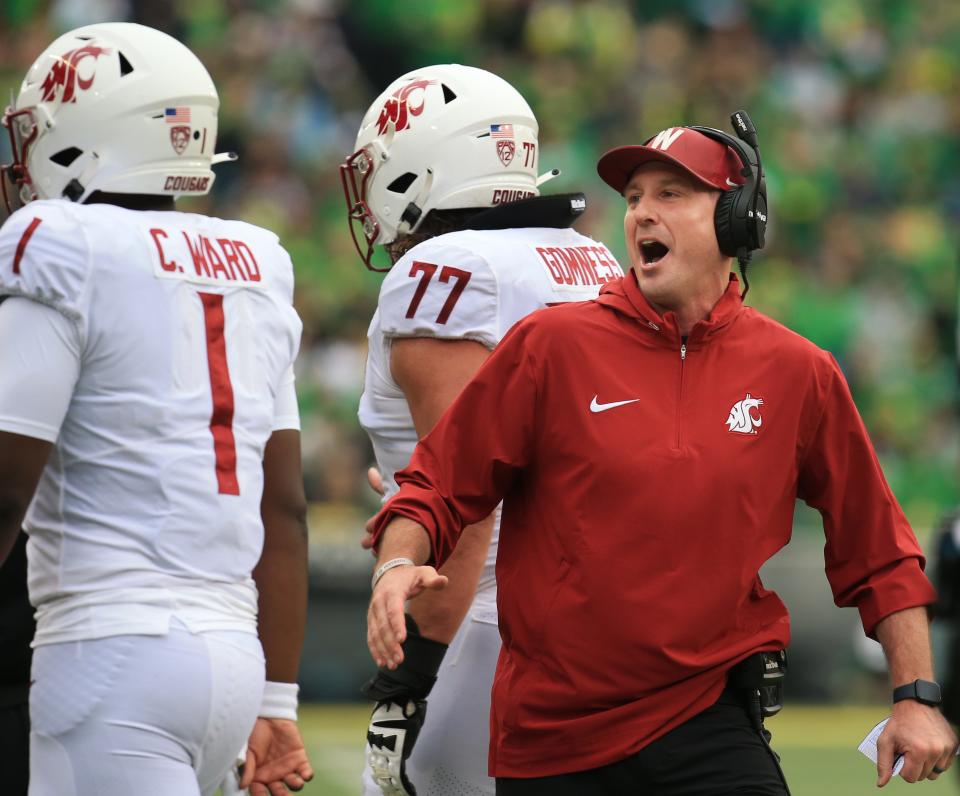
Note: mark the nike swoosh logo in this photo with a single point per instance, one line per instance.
(598, 407)
(731, 183)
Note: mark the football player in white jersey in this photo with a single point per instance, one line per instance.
(444, 175)
(149, 432)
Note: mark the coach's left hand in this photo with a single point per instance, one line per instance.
(921, 734)
(275, 758)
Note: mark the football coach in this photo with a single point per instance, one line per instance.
(649, 447)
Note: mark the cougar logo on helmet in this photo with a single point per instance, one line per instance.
(65, 73)
(398, 109)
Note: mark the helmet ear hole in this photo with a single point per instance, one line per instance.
(723, 222)
(401, 183)
(66, 156)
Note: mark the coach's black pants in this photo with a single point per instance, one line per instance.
(716, 753)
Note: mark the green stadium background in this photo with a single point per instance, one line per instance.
(856, 106)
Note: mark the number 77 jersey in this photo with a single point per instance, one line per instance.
(181, 338)
(467, 285)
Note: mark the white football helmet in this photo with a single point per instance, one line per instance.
(114, 107)
(438, 138)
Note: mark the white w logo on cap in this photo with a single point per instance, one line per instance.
(665, 138)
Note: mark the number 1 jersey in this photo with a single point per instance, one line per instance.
(468, 285)
(185, 336)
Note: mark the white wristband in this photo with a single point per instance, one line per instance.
(383, 569)
(279, 701)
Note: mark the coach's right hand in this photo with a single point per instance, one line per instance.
(386, 624)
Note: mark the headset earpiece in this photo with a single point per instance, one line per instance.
(723, 222)
(740, 218)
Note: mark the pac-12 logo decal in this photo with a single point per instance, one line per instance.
(69, 72)
(506, 147)
(402, 105)
(744, 417)
(179, 138)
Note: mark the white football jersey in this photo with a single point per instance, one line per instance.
(149, 505)
(468, 285)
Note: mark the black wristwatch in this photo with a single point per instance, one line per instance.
(924, 691)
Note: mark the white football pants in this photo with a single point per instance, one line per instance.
(145, 715)
(450, 756)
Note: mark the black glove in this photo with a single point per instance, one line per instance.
(401, 710)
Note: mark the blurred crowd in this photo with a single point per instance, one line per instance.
(854, 101)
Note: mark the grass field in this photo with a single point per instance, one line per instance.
(818, 746)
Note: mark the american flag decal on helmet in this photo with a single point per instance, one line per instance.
(179, 115)
(501, 131)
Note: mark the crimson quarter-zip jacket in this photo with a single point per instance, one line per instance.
(645, 481)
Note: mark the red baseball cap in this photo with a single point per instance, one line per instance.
(710, 161)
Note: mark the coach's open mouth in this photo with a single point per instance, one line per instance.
(652, 251)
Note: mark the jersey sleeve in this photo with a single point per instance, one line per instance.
(45, 257)
(284, 273)
(440, 290)
(39, 368)
(286, 414)
(873, 560)
(282, 288)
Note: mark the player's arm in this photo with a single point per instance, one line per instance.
(281, 574)
(431, 372)
(275, 754)
(21, 462)
(39, 366)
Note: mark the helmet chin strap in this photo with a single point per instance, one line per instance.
(413, 212)
(76, 189)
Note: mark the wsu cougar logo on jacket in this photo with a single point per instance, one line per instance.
(741, 419)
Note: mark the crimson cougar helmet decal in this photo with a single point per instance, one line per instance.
(65, 73)
(398, 109)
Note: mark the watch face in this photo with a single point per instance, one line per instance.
(927, 692)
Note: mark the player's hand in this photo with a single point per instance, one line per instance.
(394, 727)
(919, 733)
(386, 624)
(276, 759)
(376, 484)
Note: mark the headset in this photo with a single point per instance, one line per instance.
(740, 219)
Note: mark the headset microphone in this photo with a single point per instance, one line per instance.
(744, 128)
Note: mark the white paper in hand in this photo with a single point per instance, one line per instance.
(869, 746)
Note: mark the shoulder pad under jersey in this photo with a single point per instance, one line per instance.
(441, 290)
(45, 257)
